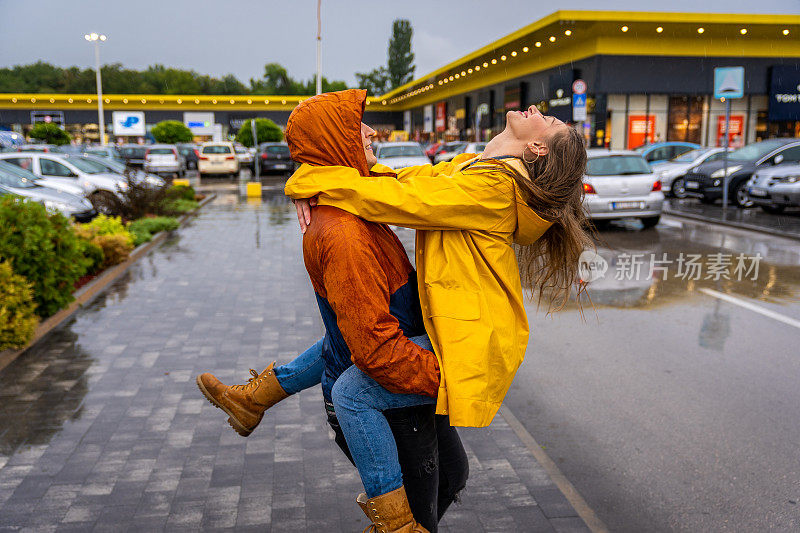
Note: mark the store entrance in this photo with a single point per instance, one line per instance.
(685, 118)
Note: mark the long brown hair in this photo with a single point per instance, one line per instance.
(554, 190)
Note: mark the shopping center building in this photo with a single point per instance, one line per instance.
(624, 78)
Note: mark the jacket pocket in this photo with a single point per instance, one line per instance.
(460, 304)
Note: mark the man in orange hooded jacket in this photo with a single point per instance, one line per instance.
(366, 290)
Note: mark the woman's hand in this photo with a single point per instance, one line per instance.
(303, 208)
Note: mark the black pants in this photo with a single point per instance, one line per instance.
(433, 461)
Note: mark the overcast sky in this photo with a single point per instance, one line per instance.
(240, 36)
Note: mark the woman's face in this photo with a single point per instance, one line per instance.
(531, 127)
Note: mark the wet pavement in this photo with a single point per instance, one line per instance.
(786, 223)
(668, 407)
(102, 427)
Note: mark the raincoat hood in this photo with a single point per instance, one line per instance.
(325, 130)
(530, 226)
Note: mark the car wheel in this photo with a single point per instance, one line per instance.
(678, 189)
(773, 209)
(706, 200)
(649, 222)
(742, 198)
(104, 202)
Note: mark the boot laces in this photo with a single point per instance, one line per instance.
(251, 383)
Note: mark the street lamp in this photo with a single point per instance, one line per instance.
(96, 38)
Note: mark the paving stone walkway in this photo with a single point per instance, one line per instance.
(102, 427)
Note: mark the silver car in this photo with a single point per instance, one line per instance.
(164, 159)
(398, 155)
(449, 151)
(775, 188)
(672, 173)
(100, 186)
(619, 184)
(19, 182)
(135, 174)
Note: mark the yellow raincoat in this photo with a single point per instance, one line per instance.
(469, 283)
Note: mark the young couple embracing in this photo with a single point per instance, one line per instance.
(409, 355)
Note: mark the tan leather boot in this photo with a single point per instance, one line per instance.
(389, 513)
(245, 404)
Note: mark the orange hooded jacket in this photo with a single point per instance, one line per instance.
(366, 287)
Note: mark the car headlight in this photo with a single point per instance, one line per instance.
(122, 186)
(786, 179)
(721, 172)
(52, 205)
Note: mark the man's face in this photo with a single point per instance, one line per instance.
(366, 137)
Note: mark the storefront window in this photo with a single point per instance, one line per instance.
(685, 118)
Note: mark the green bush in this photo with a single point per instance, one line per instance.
(93, 253)
(181, 191)
(144, 228)
(171, 132)
(266, 130)
(179, 206)
(42, 247)
(18, 318)
(110, 234)
(49, 133)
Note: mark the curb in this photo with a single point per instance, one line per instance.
(91, 290)
(730, 224)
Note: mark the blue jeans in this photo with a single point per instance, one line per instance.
(359, 402)
(303, 372)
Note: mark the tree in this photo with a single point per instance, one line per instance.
(401, 59)
(266, 130)
(171, 132)
(49, 133)
(376, 81)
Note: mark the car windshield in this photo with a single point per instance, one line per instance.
(160, 151)
(454, 147)
(87, 165)
(13, 176)
(277, 149)
(755, 151)
(113, 166)
(240, 150)
(216, 149)
(689, 156)
(617, 165)
(133, 151)
(406, 150)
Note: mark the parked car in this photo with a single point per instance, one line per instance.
(9, 140)
(620, 184)
(672, 172)
(136, 175)
(705, 181)
(133, 154)
(660, 152)
(36, 148)
(190, 154)
(474, 148)
(244, 156)
(164, 159)
(101, 187)
(432, 150)
(19, 182)
(775, 188)
(218, 158)
(275, 157)
(398, 155)
(449, 150)
(107, 152)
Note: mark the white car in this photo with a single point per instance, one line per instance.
(396, 155)
(450, 150)
(474, 148)
(244, 155)
(218, 158)
(64, 172)
(672, 173)
(164, 159)
(136, 175)
(620, 184)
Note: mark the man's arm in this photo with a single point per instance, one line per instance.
(358, 291)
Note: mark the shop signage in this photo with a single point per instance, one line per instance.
(784, 93)
(441, 116)
(128, 123)
(734, 130)
(560, 99)
(512, 98)
(638, 126)
(427, 119)
(203, 123)
(461, 113)
(728, 82)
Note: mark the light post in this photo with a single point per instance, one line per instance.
(319, 46)
(96, 38)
